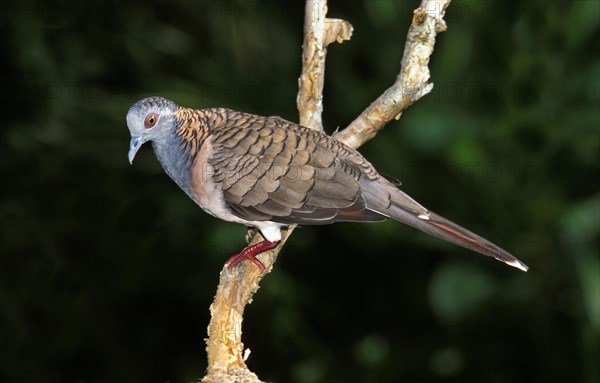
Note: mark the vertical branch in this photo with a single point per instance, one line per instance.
(311, 80)
(319, 32)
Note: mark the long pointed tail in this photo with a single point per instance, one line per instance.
(442, 228)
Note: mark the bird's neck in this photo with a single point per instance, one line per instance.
(175, 159)
(178, 149)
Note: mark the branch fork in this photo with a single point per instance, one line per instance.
(226, 352)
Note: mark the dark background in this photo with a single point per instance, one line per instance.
(107, 270)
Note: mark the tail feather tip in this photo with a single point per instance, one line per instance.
(516, 263)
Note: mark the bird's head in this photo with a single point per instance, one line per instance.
(150, 119)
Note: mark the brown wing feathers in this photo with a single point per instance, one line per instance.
(270, 169)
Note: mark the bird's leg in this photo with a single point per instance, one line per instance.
(249, 233)
(250, 253)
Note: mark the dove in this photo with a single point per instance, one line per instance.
(268, 173)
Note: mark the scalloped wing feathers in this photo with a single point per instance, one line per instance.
(272, 169)
(268, 172)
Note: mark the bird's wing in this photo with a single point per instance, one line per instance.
(270, 169)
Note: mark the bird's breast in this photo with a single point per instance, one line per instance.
(207, 193)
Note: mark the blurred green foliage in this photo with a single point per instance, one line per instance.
(107, 270)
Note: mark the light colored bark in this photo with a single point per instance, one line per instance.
(319, 31)
(226, 352)
(412, 81)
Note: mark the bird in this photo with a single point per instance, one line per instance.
(268, 173)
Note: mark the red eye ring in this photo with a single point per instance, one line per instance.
(150, 120)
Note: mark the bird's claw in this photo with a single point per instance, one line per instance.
(234, 260)
(250, 253)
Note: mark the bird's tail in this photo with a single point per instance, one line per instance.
(442, 228)
(385, 198)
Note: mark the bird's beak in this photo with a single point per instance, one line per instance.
(134, 146)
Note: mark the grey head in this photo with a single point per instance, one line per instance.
(150, 119)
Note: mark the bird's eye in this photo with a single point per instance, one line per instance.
(150, 120)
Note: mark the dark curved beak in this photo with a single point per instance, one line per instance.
(135, 145)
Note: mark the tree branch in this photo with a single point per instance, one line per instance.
(412, 82)
(318, 33)
(226, 353)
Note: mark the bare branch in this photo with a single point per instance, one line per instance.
(226, 352)
(412, 82)
(337, 30)
(318, 33)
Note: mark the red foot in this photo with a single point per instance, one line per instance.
(250, 253)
